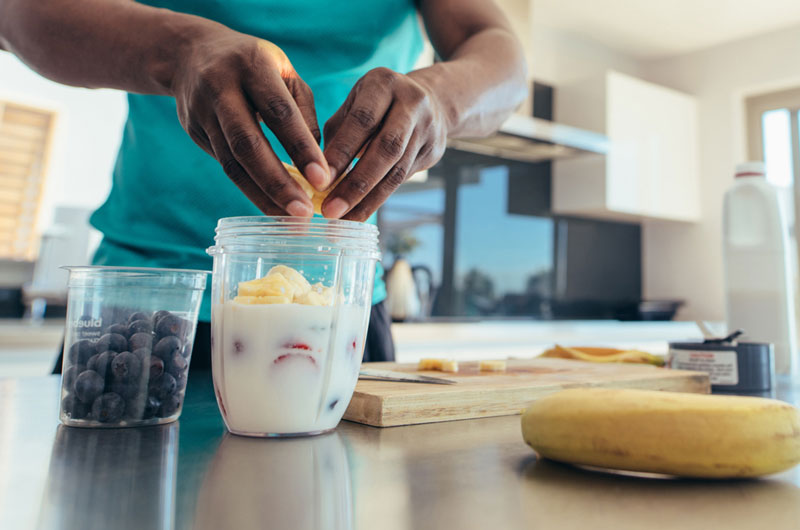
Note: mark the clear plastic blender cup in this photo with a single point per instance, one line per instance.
(291, 300)
(128, 344)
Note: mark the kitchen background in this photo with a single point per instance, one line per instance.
(601, 200)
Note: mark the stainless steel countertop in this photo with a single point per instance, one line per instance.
(454, 475)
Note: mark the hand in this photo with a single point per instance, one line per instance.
(226, 82)
(399, 125)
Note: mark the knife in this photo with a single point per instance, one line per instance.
(388, 375)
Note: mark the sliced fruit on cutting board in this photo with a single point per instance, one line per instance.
(484, 394)
(688, 435)
(603, 355)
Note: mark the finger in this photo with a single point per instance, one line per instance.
(359, 119)
(236, 172)
(251, 151)
(199, 136)
(335, 122)
(304, 99)
(276, 105)
(398, 174)
(384, 151)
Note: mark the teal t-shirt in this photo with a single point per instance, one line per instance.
(167, 193)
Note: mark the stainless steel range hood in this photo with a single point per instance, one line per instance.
(529, 139)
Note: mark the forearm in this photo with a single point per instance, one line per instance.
(99, 43)
(483, 75)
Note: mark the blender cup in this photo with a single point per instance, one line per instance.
(290, 305)
(128, 344)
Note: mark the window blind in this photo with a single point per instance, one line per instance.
(25, 137)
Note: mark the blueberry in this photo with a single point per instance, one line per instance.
(101, 363)
(332, 404)
(126, 367)
(180, 381)
(70, 375)
(169, 406)
(139, 326)
(177, 365)
(187, 349)
(74, 408)
(163, 386)
(126, 389)
(80, 352)
(138, 316)
(89, 385)
(112, 341)
(119, 329)
(108, 408)
(151, 406)
(156, 367)
(167, 347)
(171, 325)
(140, 340)
(158, 316)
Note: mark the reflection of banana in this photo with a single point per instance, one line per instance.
(603, 355)
(689, 435)
(317, 197)
(553, 495)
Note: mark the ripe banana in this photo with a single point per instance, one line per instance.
(689, 435)
(603, 355)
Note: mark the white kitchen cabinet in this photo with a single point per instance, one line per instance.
(651, 169)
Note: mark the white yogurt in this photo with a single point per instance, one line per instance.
(284, 369)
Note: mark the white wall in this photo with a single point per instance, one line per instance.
(558, 57)
(87, 136)
(685, 261)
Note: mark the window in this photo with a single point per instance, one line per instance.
(25, 136)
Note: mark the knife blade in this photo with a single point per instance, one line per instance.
(388, 375)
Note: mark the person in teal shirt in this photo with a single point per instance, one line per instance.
(249, 82)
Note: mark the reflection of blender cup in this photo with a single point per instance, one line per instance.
(112, 478)
(293, 484)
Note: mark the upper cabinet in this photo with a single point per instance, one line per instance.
(651, 169)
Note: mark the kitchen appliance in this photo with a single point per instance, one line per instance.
(733, 367)
(534, 138)
(479, 394)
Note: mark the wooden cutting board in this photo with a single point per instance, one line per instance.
(482, 394)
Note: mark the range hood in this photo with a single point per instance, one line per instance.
(529, 139)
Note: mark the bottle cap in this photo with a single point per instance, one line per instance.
(750, 169)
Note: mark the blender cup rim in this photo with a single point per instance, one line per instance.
(147, 277)
(150, 270)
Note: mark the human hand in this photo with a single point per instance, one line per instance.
(400, 126)
(228, 80)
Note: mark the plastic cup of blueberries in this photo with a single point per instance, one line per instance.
(128, 344)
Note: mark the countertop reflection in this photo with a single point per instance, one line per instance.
(460, 475)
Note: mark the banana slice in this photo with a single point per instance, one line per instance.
(317, 197)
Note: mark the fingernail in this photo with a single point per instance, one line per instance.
(335, 208)
(299, 209)
(316, 175)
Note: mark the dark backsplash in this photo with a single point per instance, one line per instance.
(488, 234)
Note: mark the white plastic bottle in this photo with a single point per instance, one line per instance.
(758, 279)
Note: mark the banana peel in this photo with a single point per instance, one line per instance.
(603, 355)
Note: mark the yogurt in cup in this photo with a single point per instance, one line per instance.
(290, 308)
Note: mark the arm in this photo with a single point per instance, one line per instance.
(223, 82)
(402, 122)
